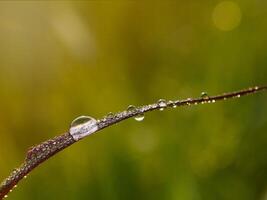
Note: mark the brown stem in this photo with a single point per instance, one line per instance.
(39, 153)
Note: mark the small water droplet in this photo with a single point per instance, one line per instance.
(238, 96)
(131, 108)
(5, 196)
(204, 95)
(213, 101)
(82, 126)
(25, 176)
(15, 186)
(172, 104)
(189, 99)
(256, 88)
(139, 117)
(162, 104)
(11, 190)
(110, 115)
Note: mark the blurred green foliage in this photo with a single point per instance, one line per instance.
(62, 59)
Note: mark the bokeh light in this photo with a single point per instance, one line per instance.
(226, 15)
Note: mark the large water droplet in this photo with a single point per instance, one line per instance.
(83, 126)
(139, 117)
(162, 104)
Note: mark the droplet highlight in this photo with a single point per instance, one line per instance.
(83, 126)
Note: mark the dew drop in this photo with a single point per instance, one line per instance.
(83, 126)
(162, 104)
(213, 101)
(5, 196)
(110, 115)
(172, 104)
(139, 117)
(131, 108)
(25, 176)
(238, 96)
(204, 95)
(15, 186)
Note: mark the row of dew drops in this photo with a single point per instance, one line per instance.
(162, 103)
(11, 190)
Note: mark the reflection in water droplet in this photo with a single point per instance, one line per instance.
(162, 104)
(139, 117)
(5, 196)
(238, 96)
(213, 101)
(15, 186)
(83, 126)
(25, 176)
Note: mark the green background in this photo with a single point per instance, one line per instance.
(62, 59)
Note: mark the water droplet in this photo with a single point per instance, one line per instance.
(139, 117)
(256, 88)
(204, 95)
(189, 99)
(83, 126)
(11, 190)
(162, 104)
(238, 96)
(5, 196)
(172, 104)
(131, 108)
(25, 176)
(110, 115)
(213, 101)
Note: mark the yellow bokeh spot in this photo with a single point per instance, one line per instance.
(226, 15)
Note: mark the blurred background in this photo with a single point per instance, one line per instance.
(62, 59)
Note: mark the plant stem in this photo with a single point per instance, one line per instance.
(39, 153)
